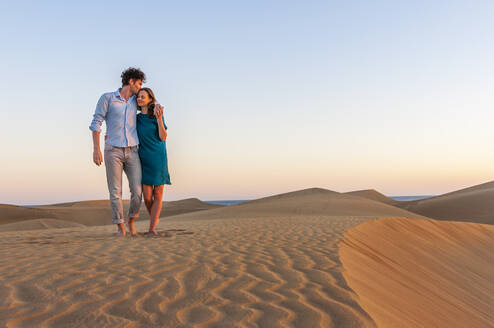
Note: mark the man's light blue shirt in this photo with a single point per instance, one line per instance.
(120, 117)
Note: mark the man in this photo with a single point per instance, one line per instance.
(119, 110)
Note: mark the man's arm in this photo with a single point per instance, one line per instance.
(98, 118)
(97, 156)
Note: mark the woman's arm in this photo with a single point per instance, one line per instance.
(158, 112)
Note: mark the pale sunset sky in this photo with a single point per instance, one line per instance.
(261, 97)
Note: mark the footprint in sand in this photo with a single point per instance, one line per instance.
(166, 233)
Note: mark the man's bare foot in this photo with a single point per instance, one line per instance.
(121, 229)
(151, 233)
(132, 229)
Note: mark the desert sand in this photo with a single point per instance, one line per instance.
(422, 273)
(374, 195)
(268, 263)
(14, 214)
(473, 204)
(288, 260)
(313, 201)
(37, 224)
(88, 213)
(277, 272)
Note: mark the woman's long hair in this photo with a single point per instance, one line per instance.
(151, 103)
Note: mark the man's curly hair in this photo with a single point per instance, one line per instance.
(132, 73)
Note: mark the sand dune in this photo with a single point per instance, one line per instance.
(38, 224)
(187, 203)
(474, 204)
(373, 195)
(85, 203)
(13, 213)
(186, 206)
(241, 269)
(90, 213)
(272, 262)
(314, 201)
(422, 273)
(282, 272)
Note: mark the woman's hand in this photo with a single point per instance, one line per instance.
(158, 111)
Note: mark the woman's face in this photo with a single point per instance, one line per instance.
(143, 98)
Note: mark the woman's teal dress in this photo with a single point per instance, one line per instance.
(152, 151)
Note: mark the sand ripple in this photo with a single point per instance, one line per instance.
(263, 272)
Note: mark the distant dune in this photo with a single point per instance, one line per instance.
(85, 203)
(91, 213)
(474, 204)
(314, 202)
(39, 224)
(422, 273)
(13, 213)
(186, 204)
(373, 195)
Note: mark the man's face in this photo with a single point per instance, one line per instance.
(135, 85)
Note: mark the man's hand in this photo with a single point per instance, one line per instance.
(158, 111)
(97, 157)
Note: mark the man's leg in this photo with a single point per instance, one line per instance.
(132, 168)
(114, 165)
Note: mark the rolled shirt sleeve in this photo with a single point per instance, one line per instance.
(99, 114)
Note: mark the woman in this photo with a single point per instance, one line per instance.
(151, 130)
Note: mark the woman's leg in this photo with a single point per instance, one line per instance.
(147, 192)
(156, 207)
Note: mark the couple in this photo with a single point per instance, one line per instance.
(134, 143)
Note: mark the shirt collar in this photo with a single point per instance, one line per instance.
(117, 94)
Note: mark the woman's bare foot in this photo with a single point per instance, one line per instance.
(151, 233)
(121, 229)
(132, 229)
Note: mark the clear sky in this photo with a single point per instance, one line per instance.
(261, 97)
